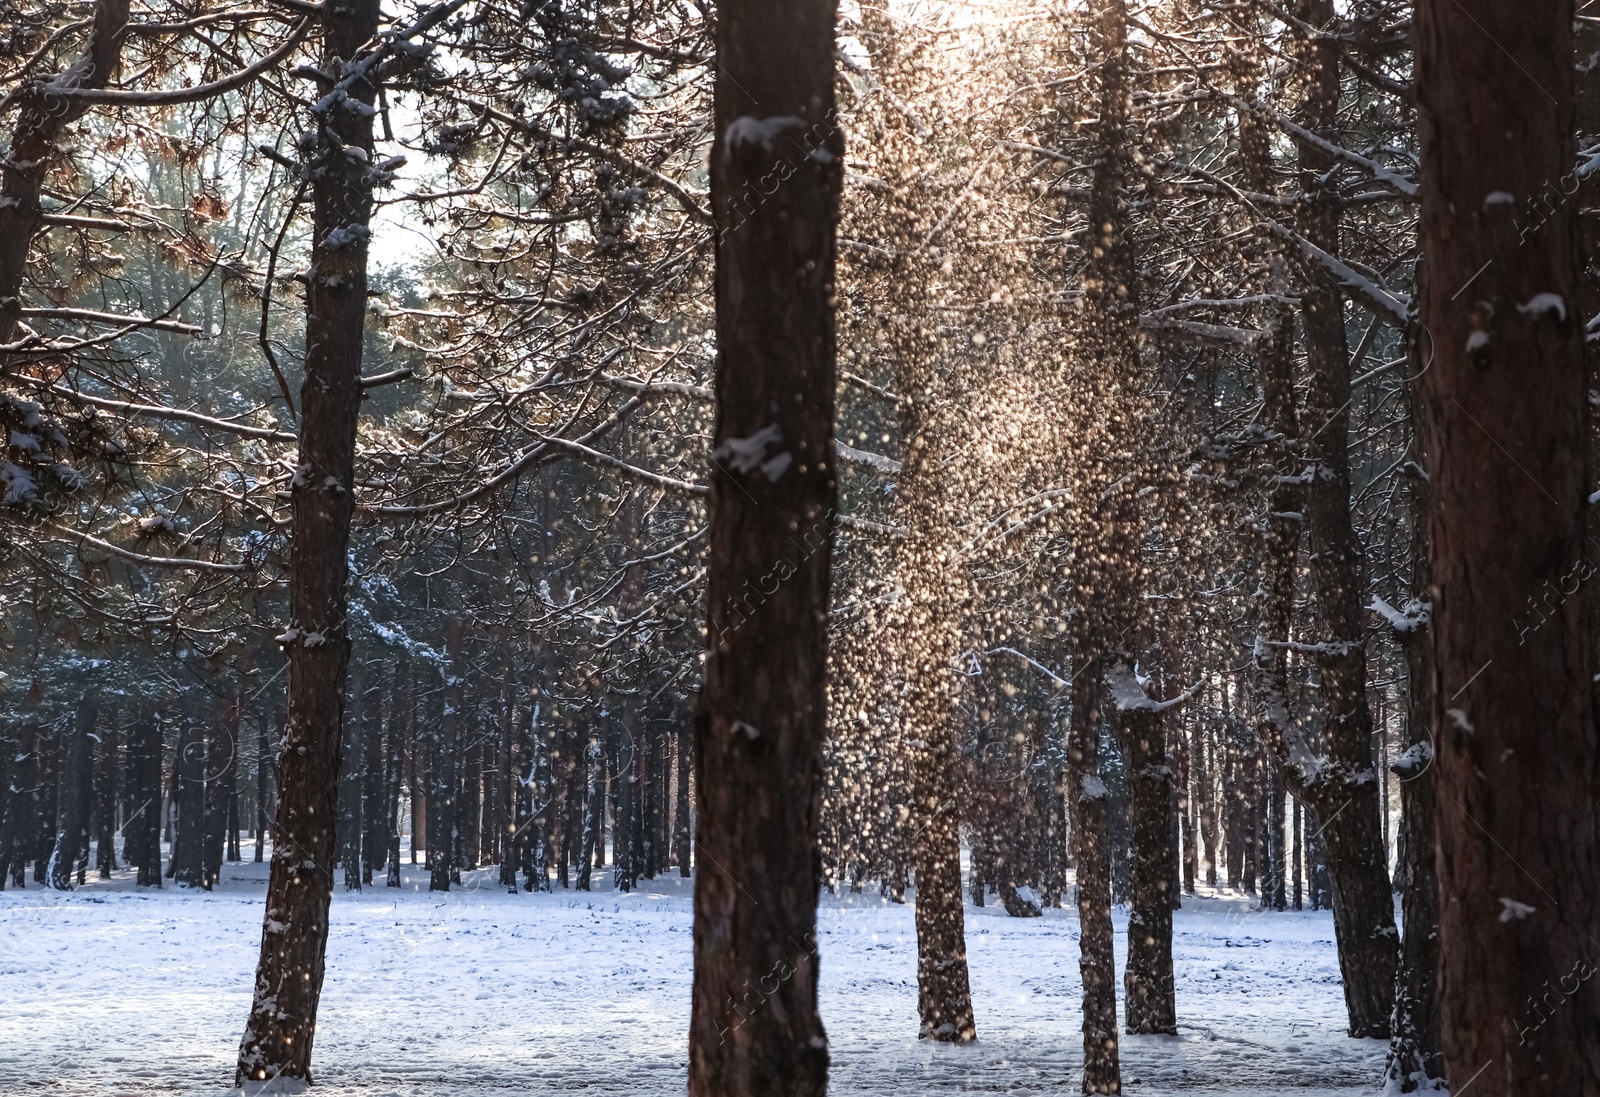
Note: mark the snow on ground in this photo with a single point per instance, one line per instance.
(113, 990)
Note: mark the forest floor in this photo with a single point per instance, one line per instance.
(116, 991)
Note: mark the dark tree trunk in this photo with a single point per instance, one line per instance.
(375, 818)
(518, 760)
(441, 809)
(1416, 1056)
(569, 805)
(1345, 787)
(46, 790)
(1317, 866)
(263, 767)
(186, 860)
(1276, 894)
(539, 798)
(278, 1037)
(1097, 968)
(592, 767)
(43, 116)
(624, 766)
(1206, 792)
(762, 710)
(1299, 832)
(142, 830)
(1505, 416)
(105, 796)
(470, 814)
(351, 763)
(221, 776)
(395, 745)
(1151, 1005)
(74, 799)
(16, 756)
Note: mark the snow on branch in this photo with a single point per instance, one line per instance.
(1391, 179)
(1391, 306)
(1199, 332)
(1413, 617)
(1129, 695)
(877, 461)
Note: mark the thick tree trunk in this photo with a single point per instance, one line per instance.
(279, 1035)
(754, 1028)
(1505, 416)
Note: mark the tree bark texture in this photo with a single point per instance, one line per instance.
(776, 176)
(1504, 428)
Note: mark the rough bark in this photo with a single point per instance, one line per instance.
(1505, 416)
(1111, 572)
(280, 1032)
(759, 728)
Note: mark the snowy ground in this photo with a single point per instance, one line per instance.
(111, 990)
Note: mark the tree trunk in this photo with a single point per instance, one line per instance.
(221, 776)
(186, 858)
(262, 766)
(142, 831)
(278, 1037)
(73, 801)
(43, 116)
(395, 745)
(105, 795)
(1345, 787)
(1097, 968)
(1151, 1007)
(18, 746)
(762, 711)
(682, 834)
(1299, 832)
(594, 806)
(375, 816)
(1416, 1058)
(1505, 416)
